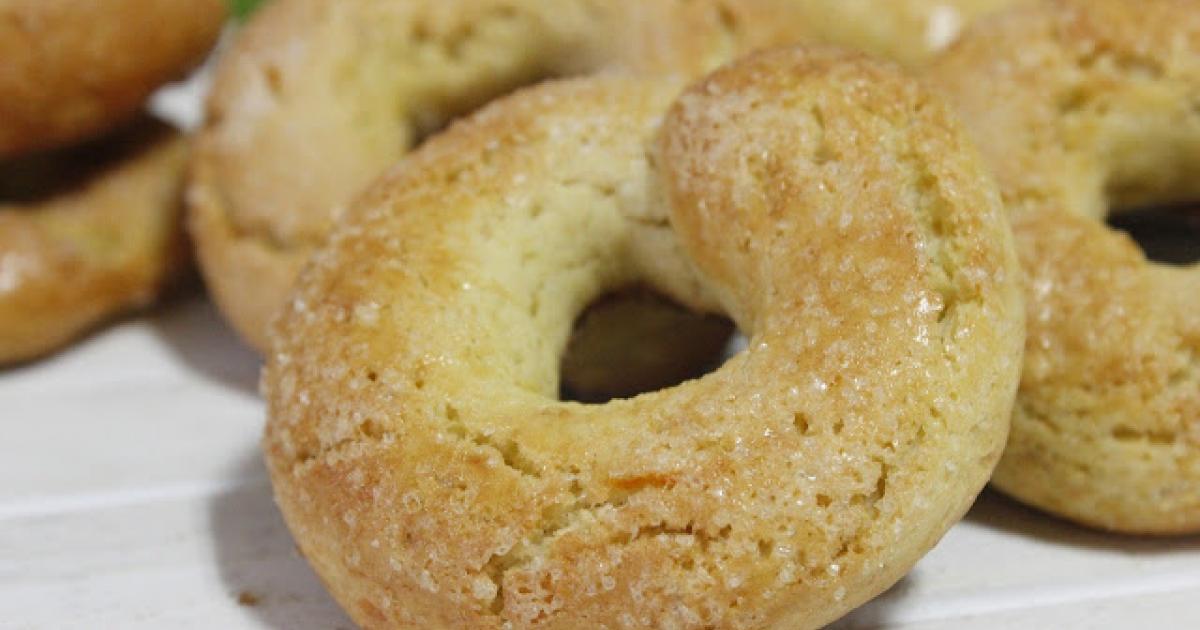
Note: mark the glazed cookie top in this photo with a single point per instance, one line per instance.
(831, 206)
(73, 69)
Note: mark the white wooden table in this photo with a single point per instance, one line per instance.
(132, 496)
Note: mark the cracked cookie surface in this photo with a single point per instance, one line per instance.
(432, 478)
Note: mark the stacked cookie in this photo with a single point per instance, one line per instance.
(90, 198)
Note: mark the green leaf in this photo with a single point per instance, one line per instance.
(243, 8)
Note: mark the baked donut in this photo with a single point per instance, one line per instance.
(1082, 107)
(72, 69)
(824, 201)
(316, 98)
(87, 233)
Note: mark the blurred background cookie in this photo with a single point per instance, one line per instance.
(86, 233)
(316, 99)
(908, 31)
(90, 187)
(72, 69)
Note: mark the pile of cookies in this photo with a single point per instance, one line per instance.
(90, 187)
(406, 205)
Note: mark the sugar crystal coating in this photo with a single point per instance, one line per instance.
(798, 480)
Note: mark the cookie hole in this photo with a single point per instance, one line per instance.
(1167, 234)
(637, 341)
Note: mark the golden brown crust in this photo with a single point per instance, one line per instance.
(433, 480)
(103, 239)
(73, 69)
(315, 98)
(1081, 106)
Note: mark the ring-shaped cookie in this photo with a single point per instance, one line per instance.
(318, 98)
(1083, 106)
(72, 69)
(87, 233)
(833, 209)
